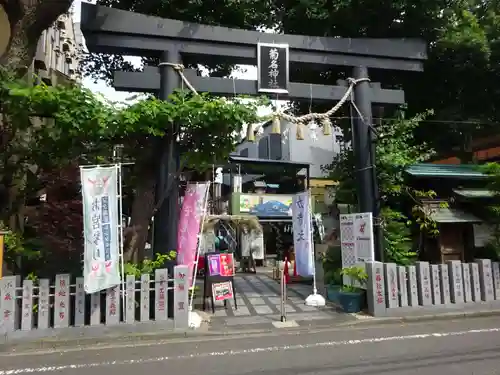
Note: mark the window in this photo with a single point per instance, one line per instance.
(244, 152)
(264, 148)
(53, 58)
(275, 147)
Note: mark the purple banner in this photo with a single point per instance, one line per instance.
(189, 226)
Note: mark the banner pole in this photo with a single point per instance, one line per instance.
(120, 217)
(195, 271)
(195, 319)
(314, 299)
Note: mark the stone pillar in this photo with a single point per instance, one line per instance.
(424, 284)
(375, 288)
(436, 285)
(476, 282)
(403, 286)
(486, 279)
(412, 286)
(181, 297)
(391, 285)
(445, 284)
(467, 282)
(496, 278)
(456, 281)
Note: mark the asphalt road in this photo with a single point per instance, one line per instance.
(459, 347)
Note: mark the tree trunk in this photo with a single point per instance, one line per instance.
(136, 233)
(28, 19)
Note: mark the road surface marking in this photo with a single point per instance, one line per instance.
(268, 349)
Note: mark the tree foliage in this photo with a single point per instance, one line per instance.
(45, 128)
(460, 79)
(396, 149)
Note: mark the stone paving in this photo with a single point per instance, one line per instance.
(258, 299)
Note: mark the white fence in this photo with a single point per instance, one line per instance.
(399, 290)
(40, 305)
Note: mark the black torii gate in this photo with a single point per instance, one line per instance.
(109, 30)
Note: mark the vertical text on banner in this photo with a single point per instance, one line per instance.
(100, 225)
(302, 234)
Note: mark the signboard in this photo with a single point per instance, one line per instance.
(219, 269)
(247, 202)
(222, 291)
(273, 68)
(100, 228)
(356, 239)
(266, 205)
(221, 265)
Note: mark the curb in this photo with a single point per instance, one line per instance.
(204, 332)
(423, 318)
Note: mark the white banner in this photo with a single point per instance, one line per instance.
(100, 228)
(302, 234)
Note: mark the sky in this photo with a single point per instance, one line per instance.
(248, 72)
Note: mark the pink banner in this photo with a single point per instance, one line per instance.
(189, 226)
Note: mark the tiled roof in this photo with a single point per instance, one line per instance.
(446, 171)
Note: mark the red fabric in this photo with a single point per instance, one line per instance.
(201, 263)
(285, 270)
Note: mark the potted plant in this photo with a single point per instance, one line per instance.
(331, 261)
(333, 280)
(351, 294)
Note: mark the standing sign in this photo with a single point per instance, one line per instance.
(356, 239)
(189, 226)
(219, 273)
(363, 237)
(100, 226)
(272, 68)
(302, 234)
(222, 291)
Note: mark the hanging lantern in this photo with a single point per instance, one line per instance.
(300, 131)
(250, 134)
(327, 126)
(276, 128)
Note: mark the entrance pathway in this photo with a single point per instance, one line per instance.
(258, 299)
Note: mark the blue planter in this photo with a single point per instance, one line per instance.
(332, 293)
(350, 302)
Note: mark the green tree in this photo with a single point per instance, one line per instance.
(396, 149)
(460, 79)
(492, 248)
(47, 127)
